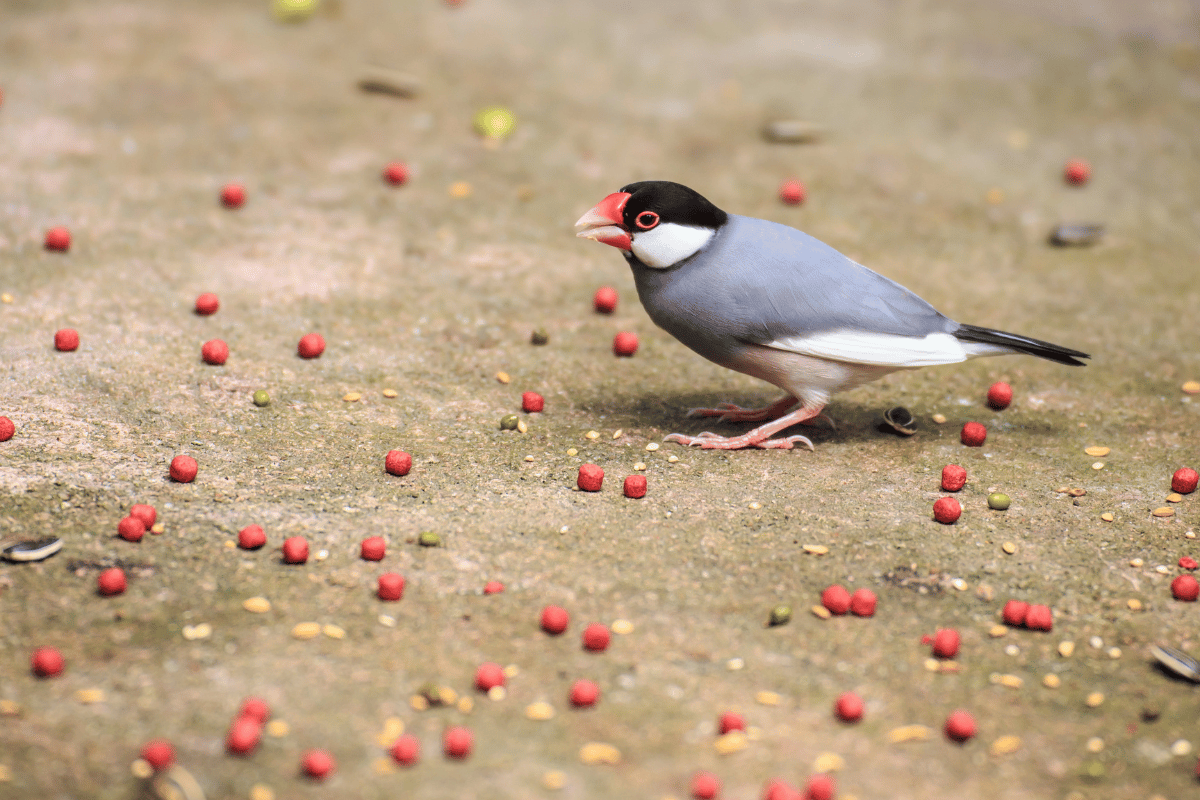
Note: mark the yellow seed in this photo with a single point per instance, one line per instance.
(829, 762)
(734, 664)
(1098, 465)
(816, 549)
(1076, 492)
(1094, 699)
(390, 393)
(1114, 652)
(909, 733)
(959, 584)
(1066, 648)
(9, 708)
(540, 711)
(418, 702)
(652, 447)
(448, 695)
(1010, 681)
(1095, 744)
(351, 397)
(621, 627)
(1136, 562)
(90, 697)
(278, 728)
(1051, 681)
(768, 698)
(393, 728)
(260, 791)
(932, 665)
(230, 544)
(257, 605)
(1005, 745)
(460, 189)
(141, 769)
(1009, 548)
(529, 458)
(672, 458)
(996, 631)
(465, 705)
(1163, 569)
(554, 780)
(1190, 387)
(522, 426)
(940, 419)
(1164, 511)
(1174, 498)
(599, 753)
(503, 377)
(571, 451)
(994, 196)
(6, 298)
(387, 620)
(157, 528)
(201, 631)
(497, 693)
(731, 742)
(1181, 747)
(1107, 516)
(1097, 451)
(383, 766)
(1134, 604)
(306, 630)
(639, 466)
(511, 670)
(821, 611)
(618, 433)
(755, 506)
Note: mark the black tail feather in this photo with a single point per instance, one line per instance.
(1021, 344)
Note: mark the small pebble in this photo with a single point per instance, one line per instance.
(625, 343)
(540, 336)
(593, 435)
(183, 469)
(207, 304)
(66, 340)
(311, 345)
(1107, 516)
(1076, 235)
(1066, 648)
(1094, 745)
(584, 694)
(1181, 747)
(940, 419)
(1113, 652)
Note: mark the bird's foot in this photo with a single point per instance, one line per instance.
(728, 412)
(759, 437)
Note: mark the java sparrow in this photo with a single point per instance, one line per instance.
(772, 302)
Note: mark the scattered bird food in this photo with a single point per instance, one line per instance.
(792, 131)
(261, 398)
(605, 300)
(509, 422)
(47, 662)
(960, 726)
(625, 343)
(317, 764)
(244, 735)
(495, 122)
(311, 345)
(397, 462)
(973, 434)
(780, 615)
(1077, 172)
(1076, 235)
(7, 429)
(493, 587)
(58, 239)
(111, 582)
(947, 510)
(836, 599)
(954, 478)
(635, 486)
(584, 693)
(532, 402)
(1039, 618)
(555, 619)
(131, 529)
(214, 352)
(1185, 588)
(158, 753)
(488, 676)
(596, 637)
(252, 537)
(849, 707)
(792, 192)
(1014, 613)
(730, 721)
(406, 750)
(457, 742)
(396, 173)
(999, 501)
(820, 787)
(999, 396)
(590, 478)
(183, 469)
(233, 195)
(66, 340)
(1185, 480)
(207, 304)
(295, 550)
(946, 642)
(705, 785)
(429, 539)
(146, 513)
(373, 548)
(391, 586)
(862, 603)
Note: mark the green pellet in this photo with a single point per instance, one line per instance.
(261, 398)
(780, 615)
(999, 501)
(429, 539)
(509, 422)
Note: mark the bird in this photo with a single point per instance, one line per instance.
(770, 301)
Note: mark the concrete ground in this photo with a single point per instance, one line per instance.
(947, 129)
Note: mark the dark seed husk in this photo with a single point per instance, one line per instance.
(540, 336)
(900, 419)
(780, 615)
(509, 422)
(381, 80)
(1076, 235)
(34, 550)
(792, 131)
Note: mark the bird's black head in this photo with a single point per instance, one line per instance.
(655, 202)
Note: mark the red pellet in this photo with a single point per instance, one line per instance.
(1185, 588)
(836, 599)
(214, 352)
(555, 619)
(252, 537)
(317, 764)
(488, 675)
(295, 550)
(391, 586)
(406, 750)
(207, 304)
(705, 786)
(158, 753)
(396, 173)
(849, 707)
(625, 343)
(777, 789)
(960, 726)
(147, 514)
(820, 787)
(954, 478)
(792, 192)
(863, 602)
(457, 742)
(591, 477)
(255, 709)
(493, 587)
(1077, 172)
(596, 637)
(532, 402)
(183, 469)
(999, 396)
(58, 238)
(947, 510)
(1187, 562)
(373, 548)
(635, 486)
(244, 735)
(584, 693)
(311, 345)
(233, 195)
(1185, 480)
(66, 340)
(7, 429)
(973, 434)
(730, 721)
(946, 642)
(1015, 612)
(131, 529)
(47, 662)
(1039, 618)
(605, 300)
(111, 582)
(397, 462)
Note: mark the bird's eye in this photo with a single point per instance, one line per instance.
(646, 220)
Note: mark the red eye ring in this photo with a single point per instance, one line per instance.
(646, 220)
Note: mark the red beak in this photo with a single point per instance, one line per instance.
(604, 222)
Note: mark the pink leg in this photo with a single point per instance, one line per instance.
(728, 412)
(759, 437)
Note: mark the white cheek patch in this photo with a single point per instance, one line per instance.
(883, 349)
(669, 243)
